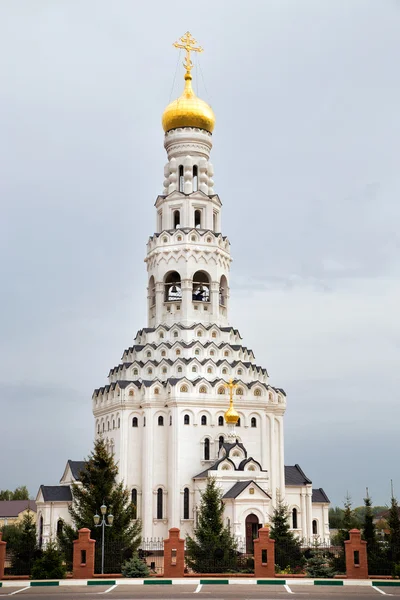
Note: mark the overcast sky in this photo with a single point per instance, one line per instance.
(306, 154)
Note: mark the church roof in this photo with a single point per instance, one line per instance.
(239, 487)
(56, 493)
(318, 495)
(12, 508)
(294, 475)
(76, 467)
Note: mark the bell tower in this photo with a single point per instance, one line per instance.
(188, 259)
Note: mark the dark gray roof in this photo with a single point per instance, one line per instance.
(239, 487)
(12, 508)
(295, 476)
(76, 467)
(56, 493)
(318, 495)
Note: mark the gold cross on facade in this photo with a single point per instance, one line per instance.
(231, 386)
(187, 42)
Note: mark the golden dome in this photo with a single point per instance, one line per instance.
(231, 416)
(188, 111)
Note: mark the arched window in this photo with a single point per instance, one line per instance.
(184, 388)
(204, 420)
(203, 389)
(239, 392)
(253, 422)
(134, 422)
(163, 353)
(214, 334)
(201, 287)
(223, 290)
(197, 219)
(160, 421)
(194, 369)
(221, 441)
(144, 421)
(238, 424)
(104, 427)
(257, 392)
(177, 352)
(172, 287)
(181, 179)
(221, 390)
(315, 527)
(240, 371)
(214, 221)
(41, 531)
(175, 334)
(161, 336)
(177, 218)
(207, 449)
(209, 370)
(148, 354)
(170, 419)
(294, 518)
(180, 371)
(186, 420)
(152, 291)
(159, 503)
(135, 372)
(195, 179)
(149, 371)
(197, 351)
(119, 422)
(108, 426)
(164, 369)
(224, 371)
(220, 421)
(98, 427)
(156, 391)
(60, 526)
(186, 503)
(134, 502)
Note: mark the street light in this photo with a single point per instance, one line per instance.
(103, 524)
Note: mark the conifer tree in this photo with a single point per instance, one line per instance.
(25, 547)
(98, 486)
(287, 546)
(394, 530)
(369, 529)
(212, 549)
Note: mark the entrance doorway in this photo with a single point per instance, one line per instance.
(252, 527)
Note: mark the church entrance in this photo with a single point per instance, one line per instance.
(252, 527)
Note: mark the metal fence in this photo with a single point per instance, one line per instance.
(384, 558)
(152, 551)
(217, 560)
(116, 553)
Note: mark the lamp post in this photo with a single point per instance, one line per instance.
(103, 524)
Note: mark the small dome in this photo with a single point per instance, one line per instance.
(231, 416)
(188, 111)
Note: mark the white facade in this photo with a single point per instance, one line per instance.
(162, 410)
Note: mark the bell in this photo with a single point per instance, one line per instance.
(173, 290)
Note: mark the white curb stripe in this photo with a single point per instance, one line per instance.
(109, 589)
(381, 591)
(287, 588)
(197, 590)
(18, 591)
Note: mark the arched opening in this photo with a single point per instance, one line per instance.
(172, 287)
(220, 421)
(315, 527)
(181, 179)
(220, 441)
(159, 503)
(134, 422)
(160, 421)
(201, 287)
(197, 218)
(186, 420)
(41, 531)
(253, 422)
(223, 291)
(151, 291)
(134, 502)
(294, 518)
(207, 449)
(177, 218)
(186, 503)
(252, 527)
(214, 221)
(238, 424)
(195, 179)
(60, 526)
(204, 420)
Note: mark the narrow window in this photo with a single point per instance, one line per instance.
(294, 518)
(134, 502)
(119, 422)
(83, 557)
(186, 420)
(206, 449)
(314, 527)
(220, 421)
(221, 441)
(195, 179)
(238, 424)
(181, 179)
(170, 419)
(214, 221)
(264, 556)
(60, 525)
(186, 503)
(134, 422)
(144, 421)
(253, 422)
(161, 421)
(197, 219)
(177, 218)
(356, 557)
(159, 503)
(204, 420)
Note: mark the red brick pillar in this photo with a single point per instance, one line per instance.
(3, 546)
(83, 558)
(356, 556)
(264, 554)
(174, 554)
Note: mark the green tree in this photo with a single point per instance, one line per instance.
(335, 517)
(20, 493)
(49, 565)
(98, 485)
(287, 547)
(393, 522)
(212, 549)
(369, 529)
(25, 547)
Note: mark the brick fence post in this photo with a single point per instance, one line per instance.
(264, 554)
(356, 556)
(83, 557)
(3, 546)
(174, 554)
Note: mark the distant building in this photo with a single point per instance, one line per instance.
(13, 511)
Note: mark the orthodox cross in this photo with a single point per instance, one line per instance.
(231, 386)
(187, 42)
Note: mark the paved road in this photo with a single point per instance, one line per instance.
(195, 592)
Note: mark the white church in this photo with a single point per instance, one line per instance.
(188, 400)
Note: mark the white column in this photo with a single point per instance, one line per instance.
(309, 512)
(147, 474)
(159, 302)
(272, 455)
(186, 304)
(281, 461)
(304, 532)
(174, 483)
(123, 446)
